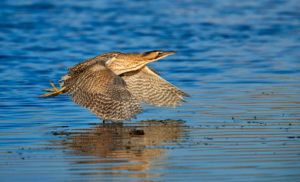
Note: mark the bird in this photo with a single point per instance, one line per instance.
(113, 85)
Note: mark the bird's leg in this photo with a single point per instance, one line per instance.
(51, 90)
(61, 84)
(54, 87)
(55, 91)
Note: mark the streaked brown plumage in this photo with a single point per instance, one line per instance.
(113, 85)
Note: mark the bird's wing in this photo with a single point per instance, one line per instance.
(147, 86)
(78, 68)
(103, 92)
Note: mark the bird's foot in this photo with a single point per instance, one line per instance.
(55, 91)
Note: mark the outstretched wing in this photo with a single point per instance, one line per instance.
(80, 67)
(103, 92)
(147, 86)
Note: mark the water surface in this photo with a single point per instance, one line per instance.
(239, 61)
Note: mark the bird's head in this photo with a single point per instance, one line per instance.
(149, 56)
(124, 62)
(155, 55)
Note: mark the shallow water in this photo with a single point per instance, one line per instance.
(239, 61)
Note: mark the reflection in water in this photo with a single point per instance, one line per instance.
(125, 147)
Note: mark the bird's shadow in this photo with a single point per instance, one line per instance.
(135, 144)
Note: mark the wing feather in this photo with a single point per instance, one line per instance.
(103, 92)
(147, 86)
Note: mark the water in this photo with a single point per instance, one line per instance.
(239, 61)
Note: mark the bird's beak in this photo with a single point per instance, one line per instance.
(164, 54)
(167, 53)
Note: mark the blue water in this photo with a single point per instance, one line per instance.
(239, 61)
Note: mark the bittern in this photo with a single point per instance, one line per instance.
(113, 85)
